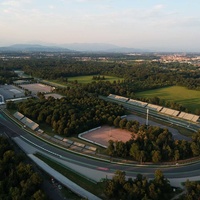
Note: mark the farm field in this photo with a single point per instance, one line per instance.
(88, 79)
(187, 98)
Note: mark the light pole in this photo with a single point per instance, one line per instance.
(147, 119)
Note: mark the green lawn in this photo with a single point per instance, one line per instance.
(188, 98)
(88, 79)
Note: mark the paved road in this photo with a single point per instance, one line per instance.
(174, 173)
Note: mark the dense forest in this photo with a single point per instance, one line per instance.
(17, 179)
(141, 188)
(138, 189)
(73, 114)
(137, 76)
(192, 191)
(153, 144)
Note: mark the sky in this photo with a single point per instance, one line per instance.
(160, 25)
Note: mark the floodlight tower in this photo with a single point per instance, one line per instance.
(147, 119)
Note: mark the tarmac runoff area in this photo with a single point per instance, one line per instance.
(62, 179)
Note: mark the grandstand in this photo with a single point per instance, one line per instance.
(118, 98)
(154, 107)
(188, 116)
(195, 118)
(68, 141)
(137, 103)
(58, 137)
(111, 96)
(18, 115)
(31, 124)
(169, 111)
(175, 113)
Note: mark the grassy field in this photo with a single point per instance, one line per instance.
(88, 79)
(188, 98)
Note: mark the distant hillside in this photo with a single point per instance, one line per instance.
(33, 48)
(101, 47)
(84, 47)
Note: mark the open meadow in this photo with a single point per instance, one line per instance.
(187, 98)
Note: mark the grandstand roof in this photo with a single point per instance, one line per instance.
(58, 137)
(195, 118)
(176, 112)
(31, 124)
(18, 115)
(111, 96)
(117, 97)
(68, 141)
(154, 107)
(169, 111)
(137, 103)
(189, 116)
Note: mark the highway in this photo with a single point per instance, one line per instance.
(172, 172)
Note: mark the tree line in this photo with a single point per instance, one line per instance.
(143, 76)
(17, 179)
(152, 144)
(139, 188)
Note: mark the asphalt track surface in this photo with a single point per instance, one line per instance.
(173, 173)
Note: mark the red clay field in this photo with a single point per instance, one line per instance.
(106, 133)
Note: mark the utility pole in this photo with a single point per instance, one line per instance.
(147, 119)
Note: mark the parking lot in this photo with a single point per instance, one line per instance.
(11, 92)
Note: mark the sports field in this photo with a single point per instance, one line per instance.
(37, 87)
(188, 98)
(88, 79)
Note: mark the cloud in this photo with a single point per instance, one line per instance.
(14, 3)
(158, 7)
(51, 7)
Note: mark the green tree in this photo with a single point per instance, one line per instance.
(176, 155)
(111, 148)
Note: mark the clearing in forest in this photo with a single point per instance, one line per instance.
(89, 79)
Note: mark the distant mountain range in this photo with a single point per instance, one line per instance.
(73, 47)
(100, 47)
(33, 48)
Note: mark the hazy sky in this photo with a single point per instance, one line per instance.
(145, 24)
